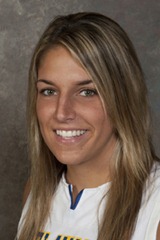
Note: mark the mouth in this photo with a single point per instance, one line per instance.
(70, 133)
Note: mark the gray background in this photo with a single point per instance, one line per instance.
(21, 24)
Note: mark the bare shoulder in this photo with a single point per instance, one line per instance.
(26, 191)
(158, 232)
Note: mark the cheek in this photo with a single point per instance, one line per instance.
(103, 120)
(39, 110)
(98, 114)
(43, 112)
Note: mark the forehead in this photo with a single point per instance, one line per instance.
(56, 51)
(59, 62)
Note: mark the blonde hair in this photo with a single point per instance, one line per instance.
(106, 52)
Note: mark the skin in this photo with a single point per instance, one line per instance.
(67, 100)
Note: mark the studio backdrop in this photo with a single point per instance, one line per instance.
(21, 24)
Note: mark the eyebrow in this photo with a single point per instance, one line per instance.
(44, 81)
(84, 82)
(80, 83)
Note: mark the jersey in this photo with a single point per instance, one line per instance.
(80, 220)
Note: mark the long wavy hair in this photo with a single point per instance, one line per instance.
(107, 54)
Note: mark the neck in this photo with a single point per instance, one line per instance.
(82, 177)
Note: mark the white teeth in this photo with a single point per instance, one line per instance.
(68, 134)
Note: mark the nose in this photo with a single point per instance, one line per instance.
(65, 110)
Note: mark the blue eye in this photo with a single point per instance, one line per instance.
(48, 92)
(88, 92)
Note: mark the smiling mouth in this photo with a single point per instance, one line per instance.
(70, 133)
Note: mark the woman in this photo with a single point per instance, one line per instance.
(94, 172)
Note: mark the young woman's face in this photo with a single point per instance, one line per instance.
(72, 120)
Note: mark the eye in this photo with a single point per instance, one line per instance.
(48, 92)
(88, 92)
